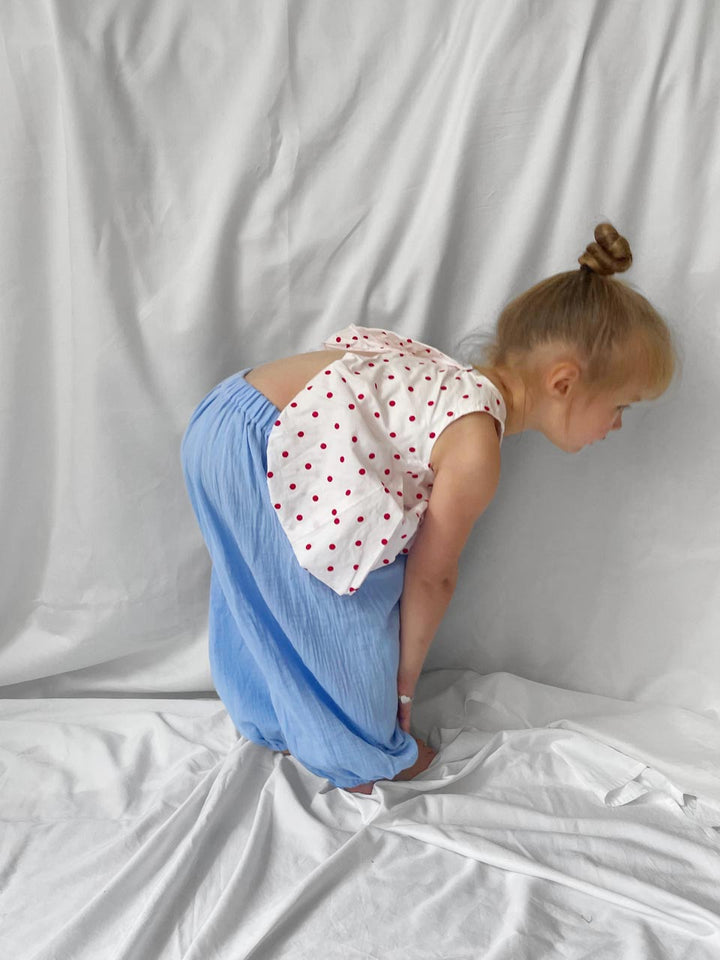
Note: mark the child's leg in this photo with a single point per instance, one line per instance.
(237, 678)
(329, 663)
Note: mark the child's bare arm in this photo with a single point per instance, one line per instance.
(465, 482)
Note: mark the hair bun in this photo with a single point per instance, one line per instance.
(611, 254)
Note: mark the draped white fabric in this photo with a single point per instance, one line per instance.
(188, 189)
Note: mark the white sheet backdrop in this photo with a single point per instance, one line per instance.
(185, 192)
(190, 188)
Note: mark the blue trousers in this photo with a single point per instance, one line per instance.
(297, 666)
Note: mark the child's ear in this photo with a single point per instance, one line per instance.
(562, 377)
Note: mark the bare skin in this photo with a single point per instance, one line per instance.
(426, 755)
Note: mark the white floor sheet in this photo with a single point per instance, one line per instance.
(148, 828)
(189, 188)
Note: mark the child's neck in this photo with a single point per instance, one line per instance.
(514, 393)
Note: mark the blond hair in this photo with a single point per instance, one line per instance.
(617, 335)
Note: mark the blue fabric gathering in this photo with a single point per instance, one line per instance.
(297, 666)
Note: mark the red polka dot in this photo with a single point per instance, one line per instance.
(292, 486)
(301, 433)
(387, 472)
(337, 340)
(466, 396)
(270, 473)
(309, 388)
(361, 396)
(327, 372)
(450, 413)
(384, 542)
(330, 569)
(391, 376)
(358, 543)
(356, 566)
(337, 426)
(285, 453)
(307, 546)
(323, 446)
(428, 378)
(486, 407)
(431, 435)
(352, 589)
(411, 418)
(399, 493)
(334, 512)
(277, 506)
(342, 459)
(431, 403)
(277, 423)
(315, 413)
(299, 517)
(410, 388)
(293, 404)
(371, 456)
(377, 414)
(419, 496)
(393, 435)
(308, 466)
(316, 498)
(354, 439)
(497, 401)
(403, 536)
(329, 396)
(361, 471)
(351, 406)
(443, 388)
(329, 479)
(386, 516)
(348, 492)
(336, 520)
(396, 456)
(360, 519)
(391, 403)
(332, 546)
(386, 561)
(405, 550)
(411, 449)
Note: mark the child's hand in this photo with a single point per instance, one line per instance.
(404, 714)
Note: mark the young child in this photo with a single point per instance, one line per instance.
(336, 489)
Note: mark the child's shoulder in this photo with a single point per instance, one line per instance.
(472, 440)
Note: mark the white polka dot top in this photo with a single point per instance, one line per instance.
(348, 460)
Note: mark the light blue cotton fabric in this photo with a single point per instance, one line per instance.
(298, 667)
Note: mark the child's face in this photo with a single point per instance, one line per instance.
(592, 419)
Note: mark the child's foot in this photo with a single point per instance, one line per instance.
(426, 755)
